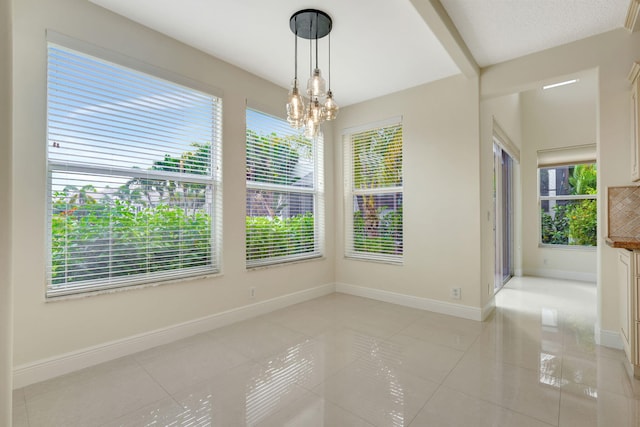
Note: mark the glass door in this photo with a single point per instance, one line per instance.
(503, 218)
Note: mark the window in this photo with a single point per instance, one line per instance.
(373, 193)
(284, 218)
(133, 176)
(568, 205)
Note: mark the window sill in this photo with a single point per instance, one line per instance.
(114, 290)
(285, 263)
(399, 262)
(568, 247)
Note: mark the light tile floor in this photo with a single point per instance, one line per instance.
(342, 360)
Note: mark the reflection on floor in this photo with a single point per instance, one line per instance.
(342, 360)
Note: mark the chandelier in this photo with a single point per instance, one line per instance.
(310, 112)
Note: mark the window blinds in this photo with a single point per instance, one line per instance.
(284, 192)
(133, 164)
(373, 161)
(566, 156)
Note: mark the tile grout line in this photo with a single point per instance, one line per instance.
(335, 404)
(332, 402)
(154, 379)
(482, 398)
(441, 383)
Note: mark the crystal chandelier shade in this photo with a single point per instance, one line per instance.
(308, 113)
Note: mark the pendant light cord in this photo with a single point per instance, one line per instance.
(295, 23)
(329, 62)
(310, 50)
(317, 25)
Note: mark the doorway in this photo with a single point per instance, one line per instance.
(503, 227)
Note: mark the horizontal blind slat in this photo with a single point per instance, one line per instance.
(283, 193)
(375, 230)
(133, 164)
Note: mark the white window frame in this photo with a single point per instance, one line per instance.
(317, 191)
(214, 180)
(568, 197)
(351, 193)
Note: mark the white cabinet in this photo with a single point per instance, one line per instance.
(625, 276)
(634, 77)
(629, 300)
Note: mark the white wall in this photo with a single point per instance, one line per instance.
(49, 329)
(611, 54)
(6, 312)
(506, 112)
(441, 193)
(560, 117)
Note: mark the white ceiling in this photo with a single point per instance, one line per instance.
(499, 30)
(377, 46)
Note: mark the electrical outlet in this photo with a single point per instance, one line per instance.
(252, 292)
(456, 293)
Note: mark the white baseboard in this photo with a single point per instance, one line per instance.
(59, 365)
(488, 308)
(579, 276)
(608, 338)
(458, 310)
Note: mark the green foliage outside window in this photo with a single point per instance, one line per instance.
(153, 225)
(272, 159)
(583, 223)
(267, 237)
(276, 223)
(554, 228)
(98, 240)
(142, 227)
(388, 238)
(575, 222)
(377, 165)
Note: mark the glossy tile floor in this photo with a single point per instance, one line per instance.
(341, 360)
